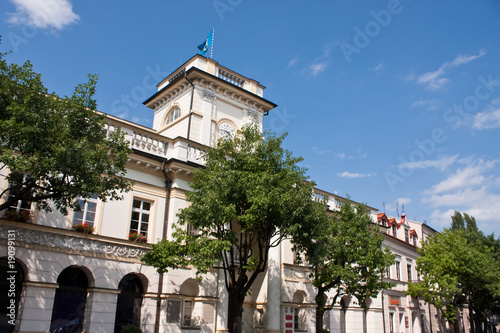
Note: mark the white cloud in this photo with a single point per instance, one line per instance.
(342, 156)
(347, 174)
(319, 151)
(463, 59)
(471, 175)
(404, 201)
(488, 119)
(427, 104)
(441, 163)
(43, 14)
(378, 69)
(293, 62)
(473, 189)
(434, 81)
(359, 153)
(318, 67)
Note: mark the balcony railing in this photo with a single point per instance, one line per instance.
(231, 78)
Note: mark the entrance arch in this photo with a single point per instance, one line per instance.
(69, 301)
(129, 302)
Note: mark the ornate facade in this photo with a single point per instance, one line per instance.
(62, 279)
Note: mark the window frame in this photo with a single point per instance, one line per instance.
(141, 211)
(398, 270)
(84, 210)
(298, 325)
(20, 203)
(191, 321)
(173, 115)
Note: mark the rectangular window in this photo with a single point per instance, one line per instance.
(296, 319)
(414, 241)
(409, 273)
(19, 207)
(394, 230)
(192, 231)
(173, 311)
(407, 235)
(87, 211)
(187, 314)
(141, 211)
(391, 322)
(398, 270)
(388, 272)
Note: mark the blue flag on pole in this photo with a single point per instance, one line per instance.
(203, 47)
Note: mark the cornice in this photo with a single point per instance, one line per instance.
(218, 86)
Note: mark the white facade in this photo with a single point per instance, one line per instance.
(194, 106)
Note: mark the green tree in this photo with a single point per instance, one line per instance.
(346, 257)
(459, 267)
(244, 202)
(55, 149)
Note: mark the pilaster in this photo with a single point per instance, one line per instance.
(273, 313)
(100, 310)
(35, 310)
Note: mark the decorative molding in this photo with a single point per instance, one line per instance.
(43, 240)
(253, 115)
(208, 95)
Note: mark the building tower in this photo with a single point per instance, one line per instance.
(202, 101)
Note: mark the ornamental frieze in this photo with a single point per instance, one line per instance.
(43, 240)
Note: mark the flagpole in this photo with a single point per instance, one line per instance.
(212, 46)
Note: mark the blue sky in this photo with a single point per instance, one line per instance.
(387, 101)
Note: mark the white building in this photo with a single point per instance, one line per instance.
(96, 282)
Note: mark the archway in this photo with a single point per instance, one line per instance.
(69, 301)
(129, 302)
(11, 283)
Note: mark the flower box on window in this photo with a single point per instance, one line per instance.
(19, 216)
(84, 228)
(137, 237)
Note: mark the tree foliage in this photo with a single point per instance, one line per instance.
(460, 266)
(346, 257)
(245, 201)
(54, 149)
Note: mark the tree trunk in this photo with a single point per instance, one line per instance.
(235, 311)
(320, 309)
(320, 312)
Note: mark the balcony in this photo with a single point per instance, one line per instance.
(147, 141)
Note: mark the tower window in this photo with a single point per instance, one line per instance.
(173, 115)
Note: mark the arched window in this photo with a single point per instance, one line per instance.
(11, 283)
(299, 324)
(129, 302)
(69, 302)
(173, 115)
(182, 311)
